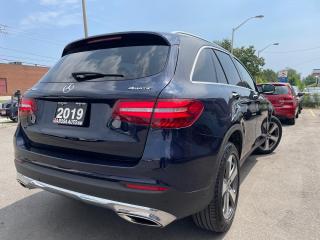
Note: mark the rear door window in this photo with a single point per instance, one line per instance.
(245, 76)
(204, 70)
(132, 62)
(221, 77)
(229, 68)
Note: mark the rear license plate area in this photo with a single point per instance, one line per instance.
(70, 113)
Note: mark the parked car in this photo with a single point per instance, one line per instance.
(9, 109)
(151, 125)
(313, 94)
(299, 97)
(312, 90)
(284, 102)
(311, 97)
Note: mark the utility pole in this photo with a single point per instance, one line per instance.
(241, 24)
(269, 45)
(84, 15)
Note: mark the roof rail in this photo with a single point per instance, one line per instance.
(189, 34)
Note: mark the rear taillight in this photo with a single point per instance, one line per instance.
(287, 101)
(27, 107)
(164, 113)
(176, 113)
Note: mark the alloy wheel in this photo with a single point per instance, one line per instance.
(230, 187)
(272, 136)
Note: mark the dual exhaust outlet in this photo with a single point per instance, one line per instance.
(129, 212)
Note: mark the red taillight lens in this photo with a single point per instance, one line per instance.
(177, 113)
(133, 111)
(146, 187)
(27, 106)
(164, 113)
(287, 101)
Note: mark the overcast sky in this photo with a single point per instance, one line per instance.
(38, 29)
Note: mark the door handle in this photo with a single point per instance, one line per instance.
(235, 95)
(255, 96)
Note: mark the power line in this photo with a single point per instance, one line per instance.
(307, 61)
(34, 38)
(296, 50)
(28, 53)
(29, 35)
(30, 58)
(29, 63)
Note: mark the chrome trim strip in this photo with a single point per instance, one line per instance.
(196, 60)
(159, 217)
(212, 83)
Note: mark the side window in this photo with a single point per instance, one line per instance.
(204, 70)
(293, 91)
(229, 68)
(246, 78)
(220, 74)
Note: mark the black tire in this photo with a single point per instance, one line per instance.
(262, 149)
(297, 115)
(292, 121)
(13, 118)
(212, 217)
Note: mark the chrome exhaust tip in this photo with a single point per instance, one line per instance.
(133, 213)
(141, 220)
(21, 183)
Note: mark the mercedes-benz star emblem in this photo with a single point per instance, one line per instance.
(67, 88)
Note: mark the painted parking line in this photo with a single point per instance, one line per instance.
(312, 113)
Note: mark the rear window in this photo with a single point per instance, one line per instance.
(281, 90)
(132, 62)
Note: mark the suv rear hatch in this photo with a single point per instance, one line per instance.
(72, 104)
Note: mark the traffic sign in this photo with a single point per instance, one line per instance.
(283, 76)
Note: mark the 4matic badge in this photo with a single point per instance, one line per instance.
(139, 88)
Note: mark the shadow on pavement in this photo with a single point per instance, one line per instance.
(47, 216)
(246, 167)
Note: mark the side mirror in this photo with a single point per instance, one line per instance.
(300, 94)
(266, 88)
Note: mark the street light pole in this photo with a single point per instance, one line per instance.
(241, 24)
(269, 45)
(84, 15)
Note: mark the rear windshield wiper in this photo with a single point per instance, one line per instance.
(83, 76)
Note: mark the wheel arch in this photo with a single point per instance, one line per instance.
(234, 135)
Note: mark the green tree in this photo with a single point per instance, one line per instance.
(225, 43)
(310, 80)
(268, 75)
(246, 55)
(294, 78)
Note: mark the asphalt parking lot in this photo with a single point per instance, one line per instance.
(279, 199)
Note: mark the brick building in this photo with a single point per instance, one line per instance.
(15, 76)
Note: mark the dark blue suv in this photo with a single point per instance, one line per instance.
(154, 126)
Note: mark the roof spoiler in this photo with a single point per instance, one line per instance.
(116, 40)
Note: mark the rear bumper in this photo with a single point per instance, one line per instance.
(285, 112)
(158, 217)
(171, 203)
(190, 184)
